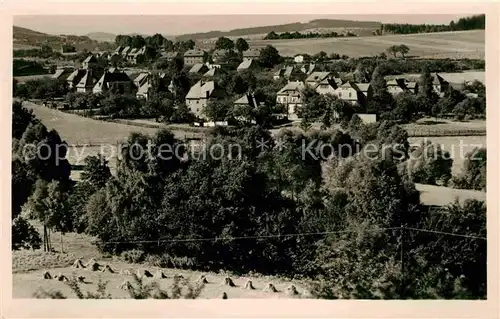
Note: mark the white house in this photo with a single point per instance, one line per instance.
(199, 95)
(291, 97)
(299, 58)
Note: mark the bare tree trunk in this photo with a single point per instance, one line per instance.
(48, 240)
(45, 242)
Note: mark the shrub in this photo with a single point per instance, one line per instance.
(133, 256)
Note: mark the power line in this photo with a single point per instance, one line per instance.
(238, 237)
(446, 233)
(173, 240)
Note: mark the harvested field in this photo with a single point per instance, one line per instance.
(28, 268)
(459, 44)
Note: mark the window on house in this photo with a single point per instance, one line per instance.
(350, 94)
(340, 94)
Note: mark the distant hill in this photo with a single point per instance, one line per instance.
(25, 38)
(102, 36)
(290, 27)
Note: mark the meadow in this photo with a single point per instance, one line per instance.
(458, 44)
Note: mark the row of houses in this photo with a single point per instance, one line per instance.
(197, 56)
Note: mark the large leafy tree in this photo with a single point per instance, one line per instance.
(269, 56)
(473, 175)
(429, 164)
(224, 43)
(241, 45)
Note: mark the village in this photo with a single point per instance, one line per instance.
(331, 173)
(297, 73)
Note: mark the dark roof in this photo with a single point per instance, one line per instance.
(194, 53)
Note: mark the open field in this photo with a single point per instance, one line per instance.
(459, 44)
(441, 196)
(29, 266)
(23, 79)
(75, 129)
(455, 77)
(431, 127)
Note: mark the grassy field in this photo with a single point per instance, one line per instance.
(455, 77)
(460, 44)
(76, 129)
(441, 196)
(28, 268)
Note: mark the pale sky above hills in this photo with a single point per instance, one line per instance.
(177, 24)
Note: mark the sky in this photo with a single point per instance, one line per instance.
(176, 24)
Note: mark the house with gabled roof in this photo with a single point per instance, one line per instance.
(87, 82)
(200, 94)
(290, 73)
(141, 79)
(62, 73)
(323, 82)
(74, 78)
(90, 62)
(248, 64)
(353, 92)
(110, 78)
(198, 68)
(308, 68)
(126, 51)
(247, 100)
(118, 50)
(169, 56)
(291, 97)
(251, 54)
(194, 56)
(397, 86)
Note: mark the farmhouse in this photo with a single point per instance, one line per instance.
(87, 82)
(169, 56)
(248, 64)
(251, 54)
(396, 86)
(90, 62)
(137, 55)
(199, 95)
(290, 73)
(118, 50)
(62, 73)
(199, 68)
(113, 78)
(74, 78)
(291, 97)
(247, 100)
(192, 57)
(141, 79)
(308, 68)
(126, 51)
(323, 82)
(354, 92)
